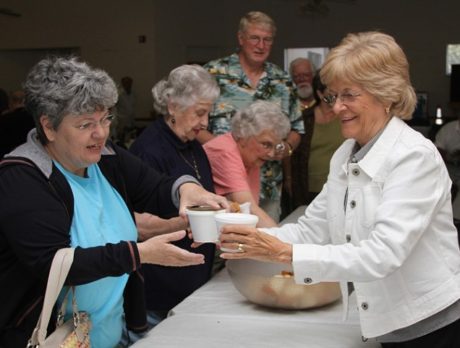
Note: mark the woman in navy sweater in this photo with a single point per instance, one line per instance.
(169, 145)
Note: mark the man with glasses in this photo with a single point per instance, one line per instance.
(246, 76)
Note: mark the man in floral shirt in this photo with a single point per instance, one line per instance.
(246, 76)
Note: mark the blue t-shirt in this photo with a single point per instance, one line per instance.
(100, 216)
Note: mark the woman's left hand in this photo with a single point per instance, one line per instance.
(251, 243)
(193, 194)
(149, 225)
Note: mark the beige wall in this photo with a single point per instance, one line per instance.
(422, 27)
(105, 31)
(179, 31)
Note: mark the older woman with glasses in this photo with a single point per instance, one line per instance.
(68, 186)
(245, 77)
(384, 218)
(169, 145)
(236, 157)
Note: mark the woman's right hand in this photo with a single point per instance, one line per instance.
(159, 251)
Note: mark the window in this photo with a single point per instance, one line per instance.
(452, 56)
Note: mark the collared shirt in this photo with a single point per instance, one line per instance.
(236, 93)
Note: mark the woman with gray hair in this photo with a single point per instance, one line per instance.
(78, 190)
(257, 136)
(184, 100)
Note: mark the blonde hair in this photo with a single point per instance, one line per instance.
(257, 18)
(378, 64)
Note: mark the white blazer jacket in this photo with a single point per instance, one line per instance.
(396, 240)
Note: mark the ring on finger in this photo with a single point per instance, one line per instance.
(240, 248)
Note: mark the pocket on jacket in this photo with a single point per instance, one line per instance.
(369, 200)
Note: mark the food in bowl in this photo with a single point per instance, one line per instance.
(272, 285)
(235, 207)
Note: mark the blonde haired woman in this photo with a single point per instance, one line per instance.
(384, 218)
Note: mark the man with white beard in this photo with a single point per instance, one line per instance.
(302, 71)
(306, 170)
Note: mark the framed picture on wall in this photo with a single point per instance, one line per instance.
(316, 55)
(421, 110)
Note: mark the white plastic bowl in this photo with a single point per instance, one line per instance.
(236, 219)
(223, 219)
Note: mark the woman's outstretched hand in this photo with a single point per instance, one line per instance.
(159, 251)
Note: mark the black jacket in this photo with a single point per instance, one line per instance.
(36, 209)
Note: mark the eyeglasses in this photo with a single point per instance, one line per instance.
(345, 97)
(268, 146)
(303, 76)
(105, 122)
(255, 40)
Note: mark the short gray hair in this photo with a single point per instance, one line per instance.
(301, 59)
(185, 86)
(58, 86)
(257, 18)
(259, 116)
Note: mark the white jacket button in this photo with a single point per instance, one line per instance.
(308, 280)
(355, 172)
(348, 237)
(364, 306)
(353, 204)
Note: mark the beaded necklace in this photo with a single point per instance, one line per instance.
(194, 166)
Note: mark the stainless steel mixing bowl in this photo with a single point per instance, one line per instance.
(272, 285)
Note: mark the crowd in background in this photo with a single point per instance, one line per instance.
(240, 127)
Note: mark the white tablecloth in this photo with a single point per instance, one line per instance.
(217, 315)
(219, 297)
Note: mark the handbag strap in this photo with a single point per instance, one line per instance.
(63, 307)
(60, 267)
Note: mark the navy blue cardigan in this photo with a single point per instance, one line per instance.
(158, 146)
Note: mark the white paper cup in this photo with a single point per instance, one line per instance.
(223, 219)
(203, 224)
(245, 208)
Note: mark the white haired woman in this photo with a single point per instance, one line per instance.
(257, 136)
(169, 145)
(76, 189)
(383, 220)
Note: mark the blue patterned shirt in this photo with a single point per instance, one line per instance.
(236, 93)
